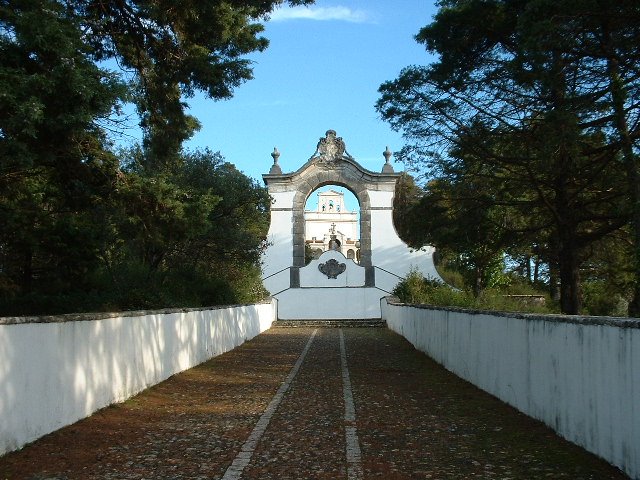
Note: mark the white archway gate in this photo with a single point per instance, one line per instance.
(333, 287)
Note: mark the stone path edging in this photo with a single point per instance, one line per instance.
(234, 472)
(354, 456)
(414, 420)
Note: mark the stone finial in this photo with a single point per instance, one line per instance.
(275, 168)
(387, 167)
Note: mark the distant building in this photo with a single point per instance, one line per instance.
(331, 218)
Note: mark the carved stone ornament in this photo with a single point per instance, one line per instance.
(330, 148)
(332, 268)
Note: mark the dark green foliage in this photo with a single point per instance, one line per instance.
(609, 275)
(461, 217)
(192, 238)
(416, 289)
(174, 49)
(54, 169)
(199, 229)
(53, 95)
(528, 118)
(82, 228)
(601, 299)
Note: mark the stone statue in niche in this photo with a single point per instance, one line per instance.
(331, 268)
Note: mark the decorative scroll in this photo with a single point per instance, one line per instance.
(332, 268)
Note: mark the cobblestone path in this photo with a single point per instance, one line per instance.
(293, 404)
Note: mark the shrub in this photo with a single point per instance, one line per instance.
(599, 299)
(416, 289)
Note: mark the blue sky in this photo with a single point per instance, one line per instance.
(321, 71)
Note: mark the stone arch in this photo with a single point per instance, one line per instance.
(303, 292)
(382, 254)
(319, 179)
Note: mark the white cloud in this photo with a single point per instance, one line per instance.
(344, 14)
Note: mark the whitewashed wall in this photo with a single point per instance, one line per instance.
(578, 375)
(279, 252)
(57, 370)
(347, 303)
(388, 251)
(320, 297)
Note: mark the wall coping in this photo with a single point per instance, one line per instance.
(620, 322)
(91, 316)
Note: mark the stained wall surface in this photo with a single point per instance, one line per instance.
(578, 375)
(57, 370)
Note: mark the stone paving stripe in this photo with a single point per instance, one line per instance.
(354, 463)
(234, 472)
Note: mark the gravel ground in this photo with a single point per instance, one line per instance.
(413, 420)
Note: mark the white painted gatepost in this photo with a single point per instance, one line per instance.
(333, 287)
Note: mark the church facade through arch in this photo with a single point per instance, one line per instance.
(331, 217)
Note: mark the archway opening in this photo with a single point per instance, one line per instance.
(332, 222)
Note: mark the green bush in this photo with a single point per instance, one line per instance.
(451, 277)
(599, 299)
(416, 289)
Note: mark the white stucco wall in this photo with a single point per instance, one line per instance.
(277, 282)
(279, 252)
(55, 372)
(388, 251)
(323, 298)
(311, 276)
(355, 303)
(386, 281)
(580, 376)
